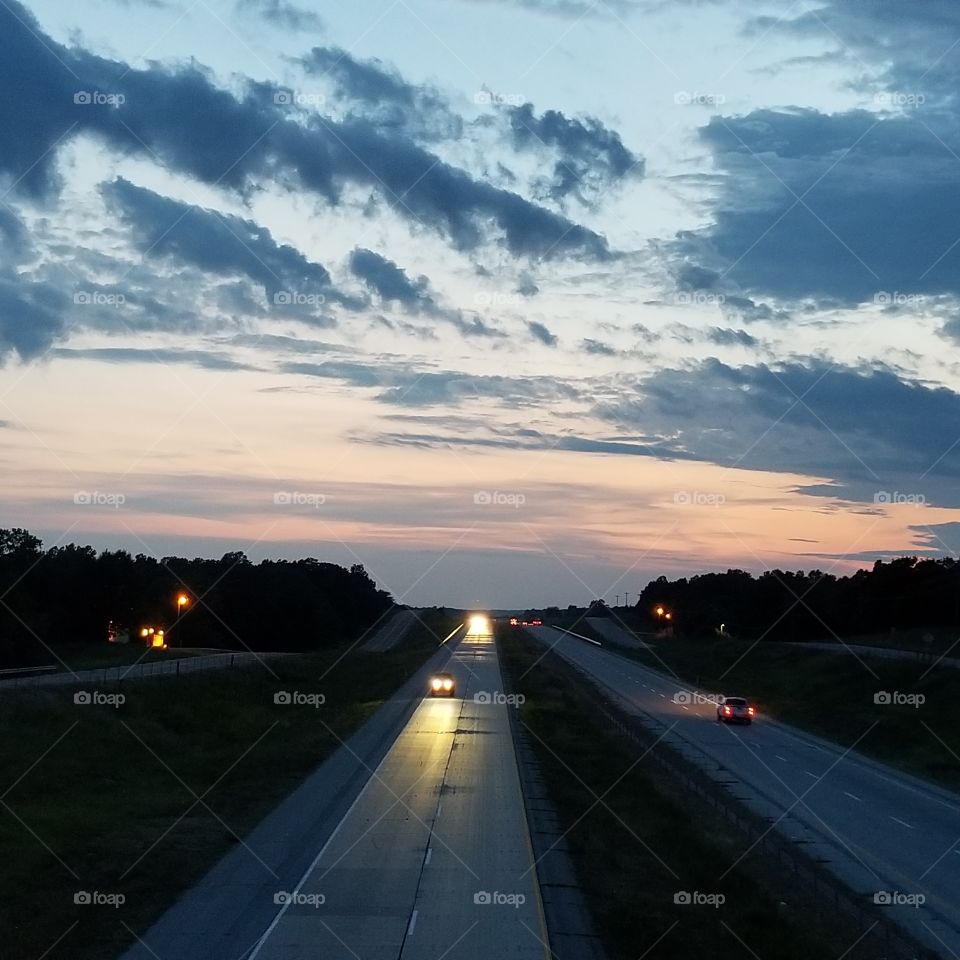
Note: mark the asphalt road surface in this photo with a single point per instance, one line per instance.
(614, 633)
(879, 829)
(391, 631)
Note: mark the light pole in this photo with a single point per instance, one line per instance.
(182, 601)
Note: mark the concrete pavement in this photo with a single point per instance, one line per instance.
(876, 828)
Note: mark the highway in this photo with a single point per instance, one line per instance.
(875, 827)
(390, 632)
(431, 857)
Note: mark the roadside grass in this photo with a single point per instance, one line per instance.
(832, 695)
(89, 656)
(929, 640)
(103, 798)
(641, 843)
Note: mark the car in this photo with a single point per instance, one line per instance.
(735, 710)
(443, 685)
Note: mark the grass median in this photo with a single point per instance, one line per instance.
(101, 796)
(640, 846)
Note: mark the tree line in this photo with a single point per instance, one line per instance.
(70, 594)
(898, 594)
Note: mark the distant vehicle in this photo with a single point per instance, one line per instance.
(443, 685)
(536, 623)
(514, 622)
(735, 710)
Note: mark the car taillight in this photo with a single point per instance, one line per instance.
(751, 711)
(727, 711)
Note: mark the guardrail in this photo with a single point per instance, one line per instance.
(23, 671)
(139, 671)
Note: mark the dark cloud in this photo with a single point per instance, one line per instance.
(179, 117)
(284, 14)
(31, 316)
(727, 337)
(540, 332)
(590, 158)
(850, 206)
(598, 348)
(868, 431)
(842, 207)
(209, 360)
(16, 245)
(951, 329)
(219, 244)
(402, 385)
(526, 286)
(385, 96)
(392, 284)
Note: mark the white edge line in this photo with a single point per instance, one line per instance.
(413, 923)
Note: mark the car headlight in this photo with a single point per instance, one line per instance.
(447, 684)
(436, 683)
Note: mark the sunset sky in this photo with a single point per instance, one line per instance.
(515, 302)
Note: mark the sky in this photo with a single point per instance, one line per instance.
(515, 302)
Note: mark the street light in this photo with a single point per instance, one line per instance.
(182, 601)
(659, 611)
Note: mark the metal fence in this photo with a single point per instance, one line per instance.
(178, 667)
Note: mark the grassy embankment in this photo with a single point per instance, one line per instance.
(92, 789)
